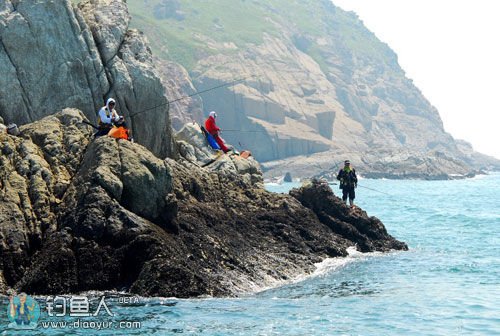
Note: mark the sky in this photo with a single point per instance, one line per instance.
(451, 51)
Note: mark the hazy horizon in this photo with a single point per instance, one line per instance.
(450, 52)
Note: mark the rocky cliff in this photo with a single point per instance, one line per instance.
(80, 213)
(55, 55)
(83, 214)
(318, 87)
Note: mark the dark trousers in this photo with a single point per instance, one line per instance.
(103, 130)
(348, 191)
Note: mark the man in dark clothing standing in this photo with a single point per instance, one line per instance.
(348, 182)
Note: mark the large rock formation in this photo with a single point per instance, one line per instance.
(54, 55)
(48, 61)
(105, 214)
(317, 85)
(36, 170)
(183, 109)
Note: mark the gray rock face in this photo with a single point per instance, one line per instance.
(134, 82)
(48, 61)
(53, 55)
(270, 111)
(178, 85)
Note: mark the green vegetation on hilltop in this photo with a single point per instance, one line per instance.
(194, 29)
(186, 31)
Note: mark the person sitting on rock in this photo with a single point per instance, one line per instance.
(348, 182)
(109, 117)
(212, 128)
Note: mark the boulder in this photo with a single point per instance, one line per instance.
(193, 145)
(194, 148)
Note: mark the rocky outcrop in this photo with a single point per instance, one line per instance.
(78, 58)
(107, 214)
(36, 170)
(403, 164)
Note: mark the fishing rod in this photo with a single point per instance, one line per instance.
(243, 131)
(333, 183)
(374, 190)
(193, 94)
(90, 124)
(338, 164)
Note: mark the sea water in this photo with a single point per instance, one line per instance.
(448, 283)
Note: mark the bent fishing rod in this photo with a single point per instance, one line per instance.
(243, 131)
(374, 190)
(193, 94)
(333, 183)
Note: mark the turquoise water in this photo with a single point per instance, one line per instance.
(447, 284)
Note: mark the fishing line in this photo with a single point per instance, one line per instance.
(374, 190)
(244, 131)
(191, 95)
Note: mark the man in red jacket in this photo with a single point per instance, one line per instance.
(212, 128)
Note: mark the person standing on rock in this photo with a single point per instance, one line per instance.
(348, 182)
(212, 128)
(109, 117)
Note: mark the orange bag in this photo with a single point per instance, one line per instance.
(245, 154)
(119, 133)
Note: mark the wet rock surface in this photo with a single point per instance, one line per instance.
(107, 214)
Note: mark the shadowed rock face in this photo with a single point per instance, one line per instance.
(107, 214)
(54, 55)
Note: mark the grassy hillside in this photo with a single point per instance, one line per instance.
(188, 30)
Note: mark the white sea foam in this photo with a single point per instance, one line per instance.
(332, 264)
(323, 268)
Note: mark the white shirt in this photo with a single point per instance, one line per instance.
(105, 119)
